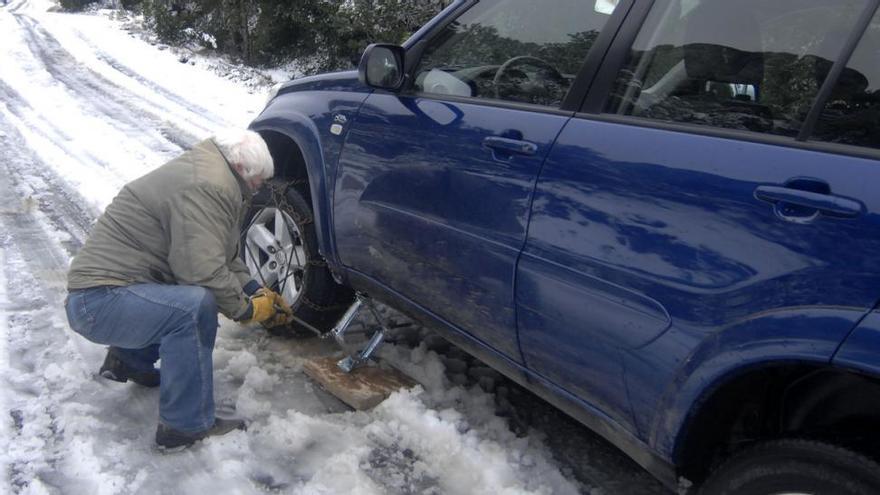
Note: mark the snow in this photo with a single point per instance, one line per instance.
(87, 107)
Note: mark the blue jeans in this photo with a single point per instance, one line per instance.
(145, 322)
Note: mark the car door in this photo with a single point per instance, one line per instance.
(435, 183)
(686, 199)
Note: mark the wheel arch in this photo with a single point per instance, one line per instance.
(778, 400)
(295, 145)
(788, 336)
(290, 163)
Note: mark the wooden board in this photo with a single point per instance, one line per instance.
(361, 389)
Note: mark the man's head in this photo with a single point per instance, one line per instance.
(248, 155)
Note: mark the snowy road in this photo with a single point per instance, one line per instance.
(84, 108)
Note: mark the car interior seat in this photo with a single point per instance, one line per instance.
(720, 70)
(718, 55)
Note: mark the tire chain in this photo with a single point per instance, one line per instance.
(279, 200)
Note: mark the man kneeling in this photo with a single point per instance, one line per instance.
(159, 264)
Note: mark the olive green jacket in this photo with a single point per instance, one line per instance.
(179, 224)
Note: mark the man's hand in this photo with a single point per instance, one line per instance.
(283, 313)
(262, 307)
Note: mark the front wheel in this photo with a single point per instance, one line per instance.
(792, 467)
(280, 249)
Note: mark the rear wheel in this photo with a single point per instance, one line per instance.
(789, 467)
(280, 249)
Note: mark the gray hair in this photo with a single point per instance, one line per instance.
(248, 150)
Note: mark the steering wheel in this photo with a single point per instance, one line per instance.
(522, 60)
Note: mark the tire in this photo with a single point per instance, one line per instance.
(795, 467)
(305, 281)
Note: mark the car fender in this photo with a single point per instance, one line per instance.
(306, 118)
(789, 335)
(303, 132)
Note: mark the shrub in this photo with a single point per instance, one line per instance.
(261, 32)
(75, 5)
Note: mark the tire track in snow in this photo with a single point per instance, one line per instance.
(194, 114)
(196, 110)
(42, 188)
(45, 379)
(137, 116)
(21, 109)
(35, 447)
(14, 7)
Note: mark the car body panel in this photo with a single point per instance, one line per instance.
(443, 224)
(673, 227)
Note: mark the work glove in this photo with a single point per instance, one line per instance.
(262, 307)
(283, 314)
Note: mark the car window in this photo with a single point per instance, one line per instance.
(750, 65)
(514, 50)
(852, 114)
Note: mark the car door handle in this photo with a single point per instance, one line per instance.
(510, 146)
(826, 203)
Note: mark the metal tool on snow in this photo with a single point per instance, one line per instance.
(342, 327)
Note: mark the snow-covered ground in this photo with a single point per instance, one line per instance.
(84, 108)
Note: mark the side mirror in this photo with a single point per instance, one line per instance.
(382, 66)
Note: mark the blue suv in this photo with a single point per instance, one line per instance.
(661, 216)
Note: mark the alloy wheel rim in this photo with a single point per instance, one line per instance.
(274, 252)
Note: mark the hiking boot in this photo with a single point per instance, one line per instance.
(116, 370)
(168, 438)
